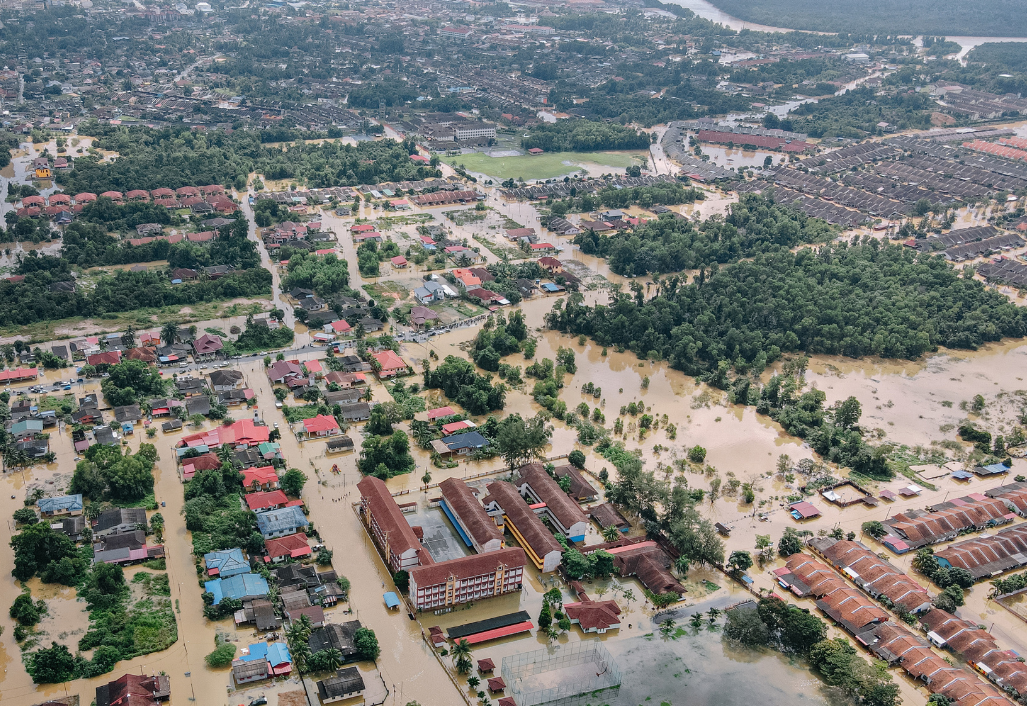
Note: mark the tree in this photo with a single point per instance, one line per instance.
(168, 333)
(790, 542)
(462, 656)
(739, 561)
(327, 660)
(545, 617)
(744, 626)
(697, 454)
(385, 457)
(611, 534)
(36, 547)
(26, 611)
(402, 580)
(52, 665)
(426, 479)
(874, 528)
(324, 557)
(847, 413)
(520, 440)
(473, 682)
(25, 516)
(222, 656)
(366, 643)
(292, 482)
(576, 458)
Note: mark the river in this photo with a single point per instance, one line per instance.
(707, 10)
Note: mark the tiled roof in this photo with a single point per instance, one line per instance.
(467, 567)
(539, 539)
(549, 492)
(594, 614)
(388, 515)
(461, 500)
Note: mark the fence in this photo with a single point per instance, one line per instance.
(573, 669)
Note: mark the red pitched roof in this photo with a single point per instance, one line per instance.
(262, 475)
(390, 361)
(293, 546)
(321, 422)
(440, 413)
(105, 358)
(262, 501)
(594, 614)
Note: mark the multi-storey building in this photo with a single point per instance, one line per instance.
(469, 578)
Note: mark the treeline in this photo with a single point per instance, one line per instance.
(176, 156)
(753, 226)
(841, 299)
(584, 136)
(29, 301)
(1001, 18)
(856, 113)
(90, 245)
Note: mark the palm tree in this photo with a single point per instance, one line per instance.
(611, 534)
(168, 332)
(426, 479)
(225, 454)
(696, 621)
(462, 657)
(329, 660)
(667, 627)
(714, 613)
(473, 682)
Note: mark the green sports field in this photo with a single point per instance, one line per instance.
(543, 166)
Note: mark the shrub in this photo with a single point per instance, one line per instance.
(222, 656)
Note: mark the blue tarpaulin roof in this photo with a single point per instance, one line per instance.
(391, 600)
(962, 475)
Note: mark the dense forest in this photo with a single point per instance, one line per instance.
(29, 301)
(999, 18)
(841, 299)
(584, 136)
(87, 244)
(753, 226)
(176, 156)
(856, 113)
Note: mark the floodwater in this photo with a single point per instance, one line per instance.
(903, 398)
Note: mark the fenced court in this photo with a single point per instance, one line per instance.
(560, 673)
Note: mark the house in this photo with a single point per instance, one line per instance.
(119, 520)
(278, 523)
(275, 655)
(339, 444)
(420, 316)
(199, 404)
(293, 546)
(550, 265)
(134, 690)
(345, 380)
(26, 429)
(606, 515)
(281, 370)
(128, 414)
(60, 505)
(241, 587)
(321, 426)
(399, 262)
(125, 555)
(339, 328)
(104, 358)
(259, 478)
(190, 386)
(105, 436)
(344, 396)
(430, 292)
(237, 435)
(465, 279)
(262, 501)
(462, 444)
(433, 415)
(345, 684)
(34, 448)
(225, 380)
(803, 510)
(249, 671)
(389, 364)
(226, 563)
(163, 406)
(594, 616)
(204, 462)
(207, 346)
(341, 637)
(486, 296)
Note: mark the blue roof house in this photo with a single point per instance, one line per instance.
(226, 563)
(60, 505)
(465, 443)
(280, 522)
(241, 587)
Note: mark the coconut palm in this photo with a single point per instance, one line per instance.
(168, 333)
(611, 534)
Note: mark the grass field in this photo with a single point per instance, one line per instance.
(543, 166)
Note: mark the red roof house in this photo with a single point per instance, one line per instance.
(321, 425)
(266, 501)
(292, 546)
(262, 478)
(390, 364)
